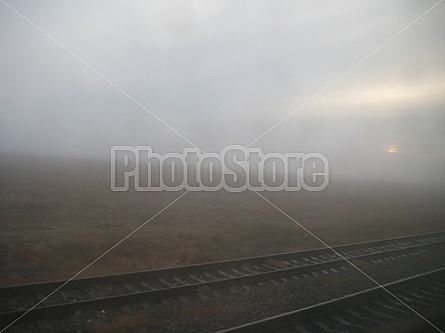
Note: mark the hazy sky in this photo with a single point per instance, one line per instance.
(224, 72)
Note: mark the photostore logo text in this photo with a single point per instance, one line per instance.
(235, 169)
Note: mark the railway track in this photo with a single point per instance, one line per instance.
(372, 310)
(101, 292)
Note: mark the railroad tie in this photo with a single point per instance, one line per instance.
(166, 283)
(179, 281)
(146, 285)
(325, 328)
(348, 323)
(392, 308)
(195, 278)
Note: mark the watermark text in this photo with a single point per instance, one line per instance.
(235, 169)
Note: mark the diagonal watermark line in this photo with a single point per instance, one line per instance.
(97, 72)
(344, 74)
(94, 261)
(349, 262)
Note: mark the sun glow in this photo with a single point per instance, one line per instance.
(380, 99)
(392, 149)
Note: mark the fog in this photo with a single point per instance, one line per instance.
(225, 72)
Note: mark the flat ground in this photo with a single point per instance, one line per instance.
(56, 216)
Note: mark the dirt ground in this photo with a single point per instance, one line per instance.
(56, 216)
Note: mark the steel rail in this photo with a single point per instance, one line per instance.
(159, 294)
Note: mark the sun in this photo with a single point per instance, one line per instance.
(392, 149)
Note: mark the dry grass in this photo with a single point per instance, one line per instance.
(133, 322)
(55, 219)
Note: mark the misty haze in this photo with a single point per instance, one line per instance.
(359, 83)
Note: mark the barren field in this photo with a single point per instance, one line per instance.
(56, 216)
